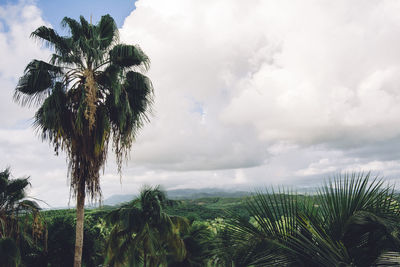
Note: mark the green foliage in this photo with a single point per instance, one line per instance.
(208, 208)
(199, 244)
(9, 253)
(143, 233)
(61, 239)
(279, 229)
(353, 221)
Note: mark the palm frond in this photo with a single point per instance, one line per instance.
(51, 39)
(53, 119)
(107, 31)
(350, 222)
(74, 27)
(343, 196)
(36, 83)
(389, 258)
(129, 56)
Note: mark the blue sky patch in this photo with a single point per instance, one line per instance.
(55, 11)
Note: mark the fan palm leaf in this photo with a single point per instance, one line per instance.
(353, 221)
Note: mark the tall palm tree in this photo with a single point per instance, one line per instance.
(143, 233)
(352, 221)
(92, 90)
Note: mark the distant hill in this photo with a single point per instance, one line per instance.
(117, 199)
(206, 192)
(182, 194)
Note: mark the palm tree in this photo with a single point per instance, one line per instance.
(199, 245)
(352, 221)
(91, 90)
(144, 233)
(13, 205)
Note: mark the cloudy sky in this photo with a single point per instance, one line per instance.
(248, 93)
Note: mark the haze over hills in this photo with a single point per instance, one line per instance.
(190, 193)
(182, 194)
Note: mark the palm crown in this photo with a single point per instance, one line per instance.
(143, 232)
(91, 89)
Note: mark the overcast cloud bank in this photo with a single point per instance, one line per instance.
(247, 94)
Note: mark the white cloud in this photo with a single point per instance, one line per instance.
(248, 93)
(335, 77)
(279, 80)
(20, 148)
(18, 21)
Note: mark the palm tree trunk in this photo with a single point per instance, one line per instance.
(80, 203)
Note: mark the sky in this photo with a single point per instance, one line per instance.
(247, 93)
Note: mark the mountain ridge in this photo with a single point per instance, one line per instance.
(176, 194)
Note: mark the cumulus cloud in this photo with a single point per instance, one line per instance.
(247, 93)
(334, 80)
(234, 81)
(17, 22)
(20, 148)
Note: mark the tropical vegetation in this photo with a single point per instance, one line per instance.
(352, 220)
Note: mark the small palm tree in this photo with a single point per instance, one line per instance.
(92, 90)
(199, 245)
(13, 205)
(353, 221)
(144, 233)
